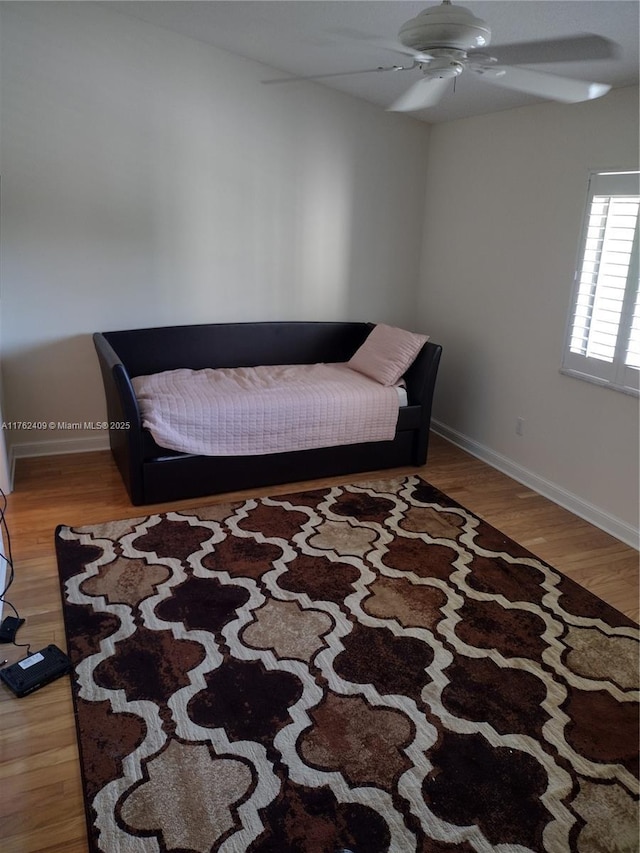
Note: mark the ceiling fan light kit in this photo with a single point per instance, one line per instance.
(444, 63)
(446, 40)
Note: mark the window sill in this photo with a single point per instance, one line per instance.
(604, 383)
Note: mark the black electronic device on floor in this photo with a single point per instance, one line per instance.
(9, 628)
(36, 670)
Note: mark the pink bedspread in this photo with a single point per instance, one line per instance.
(250, 411)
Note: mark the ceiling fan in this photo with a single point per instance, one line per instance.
(447, 40)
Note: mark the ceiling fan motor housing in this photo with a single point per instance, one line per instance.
(445, 26)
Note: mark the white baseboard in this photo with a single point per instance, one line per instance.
(599, 518)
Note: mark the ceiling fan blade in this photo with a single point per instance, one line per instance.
(548, 86)
(379, 43)
(424, 93)
(568, 49)
(337, 74)
(398, 47)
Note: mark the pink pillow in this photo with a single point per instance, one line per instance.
(387, 353)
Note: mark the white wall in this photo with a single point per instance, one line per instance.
(149, 179)
(5, 479)
(505, 197)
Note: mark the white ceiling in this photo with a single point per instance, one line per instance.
(303, 37)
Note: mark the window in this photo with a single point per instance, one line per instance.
(603, 335)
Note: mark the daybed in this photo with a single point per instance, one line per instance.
(153, 474)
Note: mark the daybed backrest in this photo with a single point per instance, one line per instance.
(146, 351)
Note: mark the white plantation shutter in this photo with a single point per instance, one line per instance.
(632, 356)
(603, 338)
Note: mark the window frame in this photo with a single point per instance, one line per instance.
(615, 374)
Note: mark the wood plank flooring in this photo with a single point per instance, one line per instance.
(41, 808)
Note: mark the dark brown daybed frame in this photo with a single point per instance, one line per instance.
(153, 474)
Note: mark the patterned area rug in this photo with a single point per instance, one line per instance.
(368, 667)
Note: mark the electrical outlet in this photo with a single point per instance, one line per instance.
(519, 426)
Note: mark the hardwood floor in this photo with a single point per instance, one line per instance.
(41, 808)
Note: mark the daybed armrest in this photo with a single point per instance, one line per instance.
(420, 380)
(122, 407)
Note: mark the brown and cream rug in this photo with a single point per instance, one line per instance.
(368, 667)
